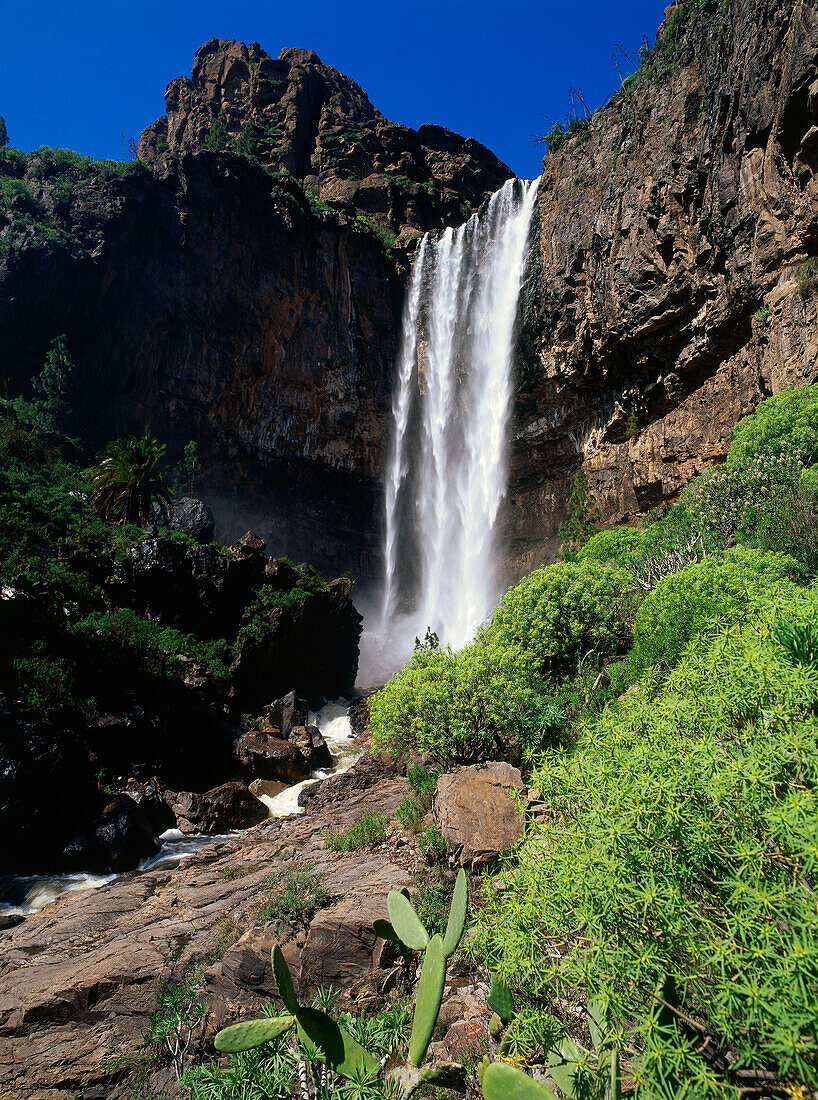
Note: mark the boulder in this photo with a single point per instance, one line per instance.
(193, 518)
(120, 838)
(263, 755)
(150, 797)
(267, 788)
(475, 813)
(250, 545)
(230, 806)
(288, 711)
(309, 742)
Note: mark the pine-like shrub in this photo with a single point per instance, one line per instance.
(558, 613)
(455, 706)
(787, 420)
(616, 545)
(680, 843)
(702, 596)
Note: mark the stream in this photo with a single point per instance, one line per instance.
(21, 895)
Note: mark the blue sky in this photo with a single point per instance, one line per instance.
(79, 73)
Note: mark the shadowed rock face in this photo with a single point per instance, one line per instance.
(299, 115)
(660, 237)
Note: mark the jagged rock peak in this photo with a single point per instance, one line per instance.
(294, 113)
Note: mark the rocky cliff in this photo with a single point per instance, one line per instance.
(240, 293)
(295, 114)
(668, 291)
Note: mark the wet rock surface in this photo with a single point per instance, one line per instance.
(475, 813)
(77, 979)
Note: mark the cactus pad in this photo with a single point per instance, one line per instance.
(429, 996)
(333, 1045)
(384, 929)
(500, 999)
(284, 981)
(251, 1033)
(406, 922)
(503, 1082)
(457, 915)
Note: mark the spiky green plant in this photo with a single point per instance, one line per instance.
(128, 479)
(327, 1042)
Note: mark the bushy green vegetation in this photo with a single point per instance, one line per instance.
(293, 894)
(668, 875)
(680, 843)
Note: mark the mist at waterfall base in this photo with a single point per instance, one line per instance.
(446, 470)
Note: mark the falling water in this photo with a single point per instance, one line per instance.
(446, 474)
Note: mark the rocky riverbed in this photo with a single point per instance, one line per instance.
(78, 978)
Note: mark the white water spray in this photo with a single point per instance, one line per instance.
(450, 412)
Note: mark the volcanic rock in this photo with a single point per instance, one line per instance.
(475, 814)
(230, 806)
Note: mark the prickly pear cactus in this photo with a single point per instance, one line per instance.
(333, 1045)
(457, 915)
(251, 1033)
(429, 997)
(405, 921)
(503, 1082)
(284, 981)
(500, 999)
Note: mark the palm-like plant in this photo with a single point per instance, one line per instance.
(129, 479)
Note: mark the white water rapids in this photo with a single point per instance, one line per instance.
(21, 895)
(446, 472)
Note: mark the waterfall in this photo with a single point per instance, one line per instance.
(446, 471)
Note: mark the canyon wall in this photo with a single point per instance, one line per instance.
(666, 294)
(252, 302)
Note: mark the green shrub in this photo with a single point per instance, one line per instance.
(787, 420)
(368, 830)
(729, 500)
(128, 636)
(556, 614)
(788, 524)
(454, 706)
(717, 590)
(581, 515)
(410, 813)
(680, 843)
(423, 781)
(293, 894)
(615, 545)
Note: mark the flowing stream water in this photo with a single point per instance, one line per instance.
(446, 472)
(21, 895)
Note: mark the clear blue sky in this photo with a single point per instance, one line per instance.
(78, 73)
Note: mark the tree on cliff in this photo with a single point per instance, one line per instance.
(217, 137)
(582, 516)
(4, 134)
(129, 479)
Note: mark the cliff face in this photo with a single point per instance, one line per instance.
(211, 304)
(213, 299)
(296, 114)
(666, 286)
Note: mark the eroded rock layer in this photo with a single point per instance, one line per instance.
(667, 293)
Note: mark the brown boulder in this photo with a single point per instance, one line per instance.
(263, 755)
(230, 806)
(310, 743)
(475, 813)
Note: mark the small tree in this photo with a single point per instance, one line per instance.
(582, 516)
(247, 142)
(51, 386)
(4, 134)
(185, 473)
(217, 137)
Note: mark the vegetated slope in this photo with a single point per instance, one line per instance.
(671, 287)
(660, 687)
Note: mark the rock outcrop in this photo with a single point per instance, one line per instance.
(78, 979)
(214, 300)
(475, 811)
(663, 300)
(297, 115)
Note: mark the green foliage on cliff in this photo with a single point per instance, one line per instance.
(582, 515)
(723, 588)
